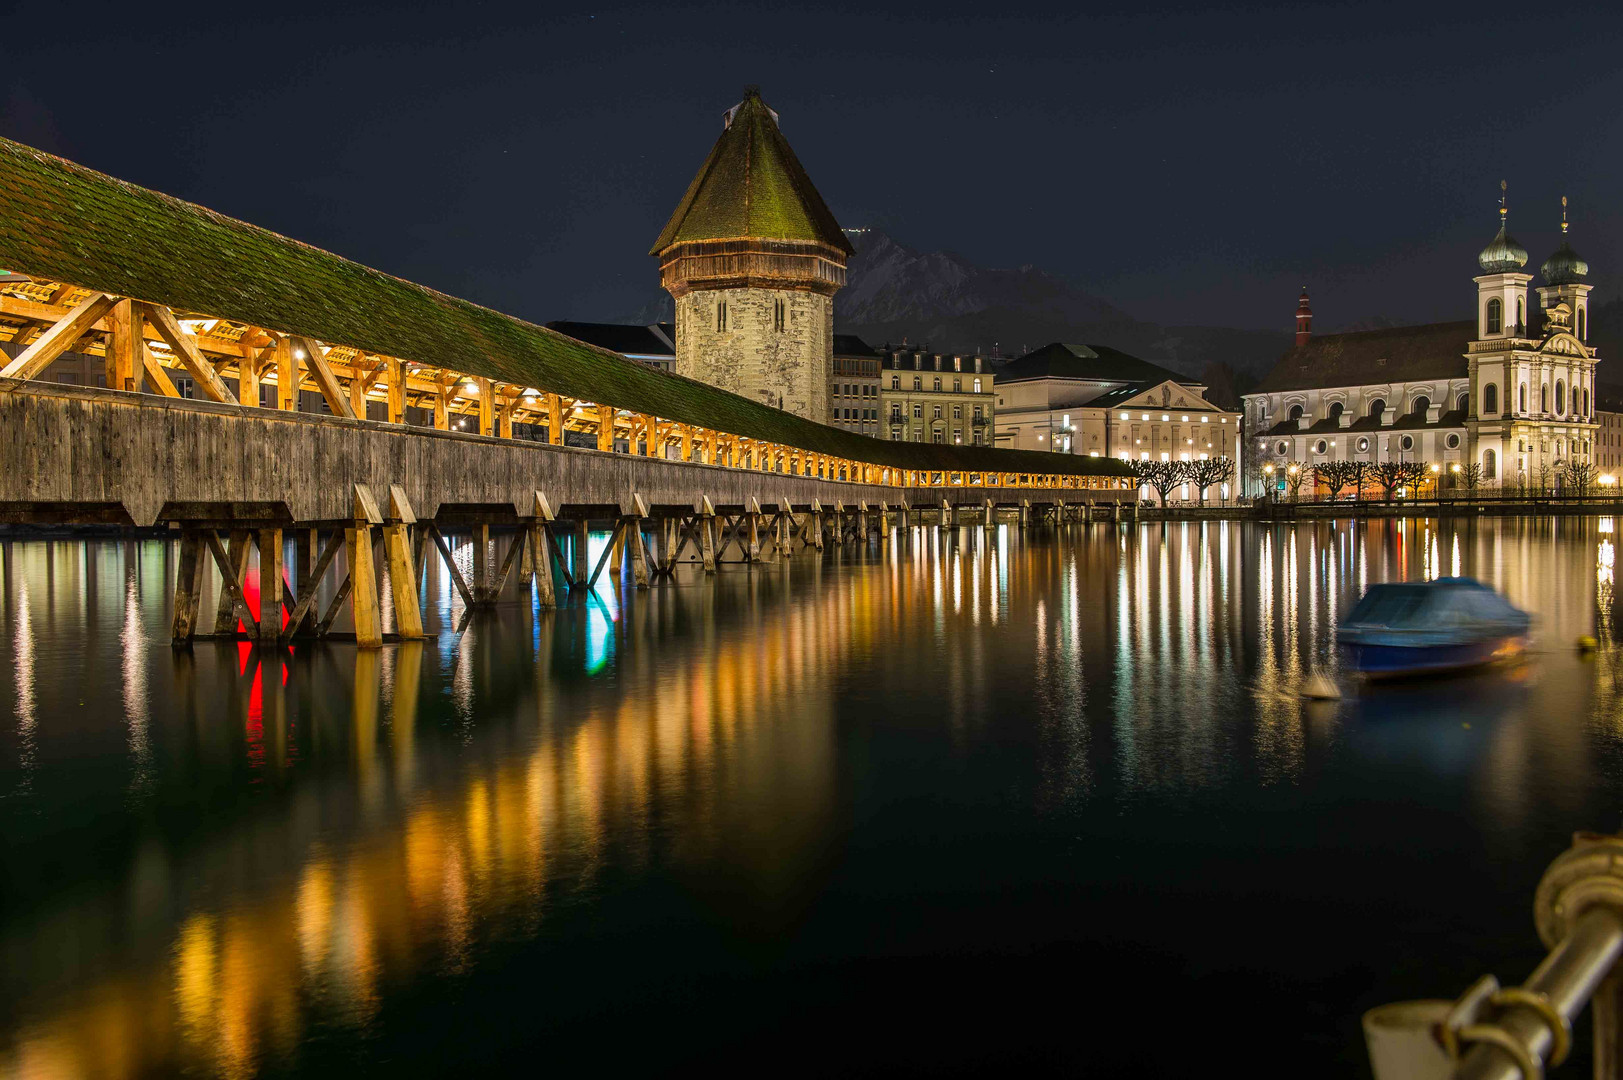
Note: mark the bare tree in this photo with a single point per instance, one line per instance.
(1295, 476)
(1359, 475)
(1392, 475)
(1542, 477)
(1469, 475)
(1163, 476)
(1208, 471)
(1335, 475)
(1577, 477)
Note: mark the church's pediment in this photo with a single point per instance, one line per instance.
(1563, 344)
(1167, 395)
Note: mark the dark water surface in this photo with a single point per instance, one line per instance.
(1043, 799)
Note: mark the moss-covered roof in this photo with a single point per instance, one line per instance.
(752, 185)
(64, 222)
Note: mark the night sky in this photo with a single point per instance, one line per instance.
(1191, 167)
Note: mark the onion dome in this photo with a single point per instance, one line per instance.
(1502, 255)
(1564, 267)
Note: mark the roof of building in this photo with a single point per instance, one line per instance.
(1397, 354)
(1453, 418)
(1101, 362)
(851, 345)
(64, 222)
(629, 339)
(752, 185)
(1503, 254)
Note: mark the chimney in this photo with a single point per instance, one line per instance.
(1304, 318)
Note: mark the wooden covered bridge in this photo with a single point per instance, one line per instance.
(254, 385)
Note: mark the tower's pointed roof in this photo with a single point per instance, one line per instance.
(753, 186)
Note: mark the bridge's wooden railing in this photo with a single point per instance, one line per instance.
(142, 343)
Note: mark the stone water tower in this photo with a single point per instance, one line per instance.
(753, 258)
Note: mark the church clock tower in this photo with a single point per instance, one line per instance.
(753, 258)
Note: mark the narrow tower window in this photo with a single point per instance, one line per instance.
(721, 316)
(1582, 325)
(1496, 315)
(1521, 314)
(1490, 398)
(780, 316)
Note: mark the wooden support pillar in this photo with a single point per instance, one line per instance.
(270, 583)
(991, 514)
(357, 388)
(526, 569)
(487, 406)
(815, 520)
(442, 408)
(545, 596)
(363, 576)
(707, 535)
(605, 427)
(225, 615)
(884, 521)
(578, 554)
(287, 376)
(408, 615)
(304, 564)
(188, 586)
(862, 523)
(481, 563)
(124, 369)
(504, 420)
(394, 374)
(1025, 512)
(248, 376)
(752, 530)
(555, 419)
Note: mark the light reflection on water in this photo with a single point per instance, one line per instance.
(233, 860)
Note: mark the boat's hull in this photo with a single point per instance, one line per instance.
(1384, 661)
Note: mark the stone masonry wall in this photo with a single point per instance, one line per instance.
(753, 359)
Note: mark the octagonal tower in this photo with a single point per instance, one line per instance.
(753, 258)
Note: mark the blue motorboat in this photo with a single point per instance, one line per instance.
(1410, 628)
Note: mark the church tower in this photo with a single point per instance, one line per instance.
(753, 258)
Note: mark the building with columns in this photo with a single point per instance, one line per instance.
(1102, 402)
(1512, 388)
(753, 258)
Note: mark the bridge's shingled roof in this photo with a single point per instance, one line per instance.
(62, 221)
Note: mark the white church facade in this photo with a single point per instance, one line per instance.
(1512, 389)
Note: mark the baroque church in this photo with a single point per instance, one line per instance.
(1512, 389)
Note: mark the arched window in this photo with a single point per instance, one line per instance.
(1296, 412)
(1421, 404)
(1586, 402)
(1496, 316)
(1490, 465)
(1524, 397)
(895, 382)
(1463, 402)
(1521, 314)
(1376, 408)
(1336, 409)
(918, 382)
(1544, 398)
(1490, 398)
(1582, 324)
(977, 386)
(1560, 397)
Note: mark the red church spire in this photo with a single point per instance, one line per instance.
(1304, 318)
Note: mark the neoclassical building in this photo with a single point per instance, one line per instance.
(1512, 388)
